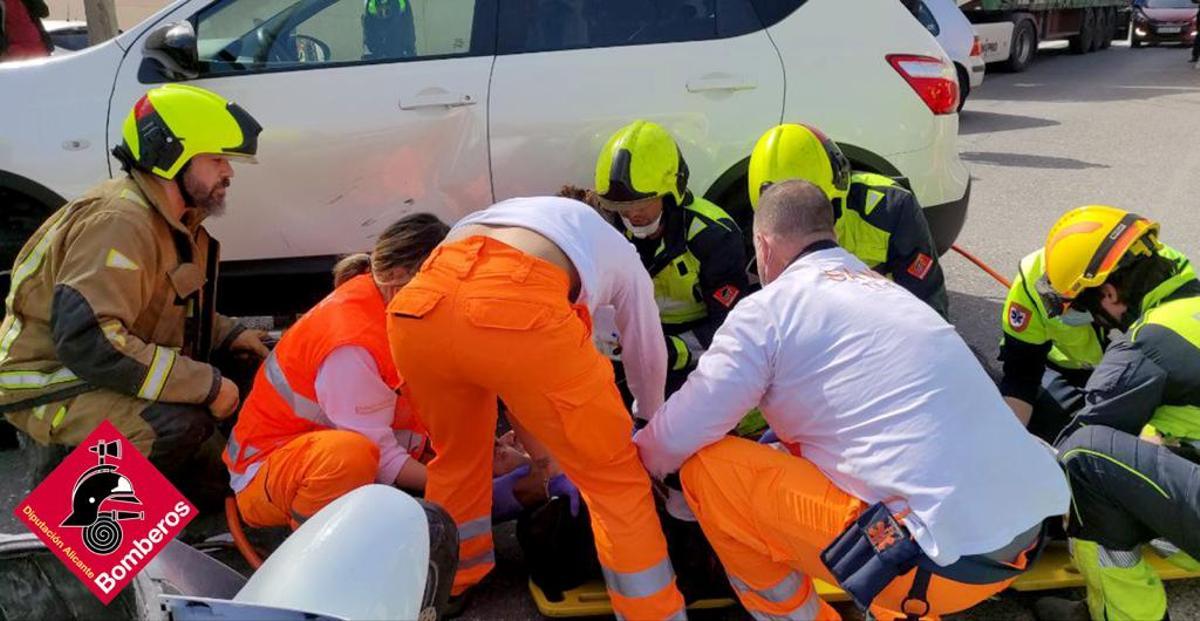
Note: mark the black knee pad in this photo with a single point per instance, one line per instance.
(443, 557)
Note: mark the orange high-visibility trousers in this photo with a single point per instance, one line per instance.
(480, 320)
(769, 514)
(299, 478)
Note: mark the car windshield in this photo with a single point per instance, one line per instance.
(1169, 4)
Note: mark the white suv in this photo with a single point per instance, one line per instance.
(376, 108)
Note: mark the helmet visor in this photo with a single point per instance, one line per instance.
(626, 207)
(1055, 303)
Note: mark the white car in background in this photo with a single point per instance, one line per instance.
(66, 35)
(471, 101)
(956, 35)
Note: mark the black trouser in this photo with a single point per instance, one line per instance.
(186, 449)
(1127, 491)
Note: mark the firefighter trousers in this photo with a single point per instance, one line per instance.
(1128, 492)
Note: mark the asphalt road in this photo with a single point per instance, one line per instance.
(1114, 127)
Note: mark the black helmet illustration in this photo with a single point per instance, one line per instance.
(101, 484)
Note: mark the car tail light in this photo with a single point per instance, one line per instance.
(933, 79)
(976, 48)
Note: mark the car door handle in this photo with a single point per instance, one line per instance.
(720, 83)
(437, 100)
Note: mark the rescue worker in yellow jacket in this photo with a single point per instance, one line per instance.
(693, 250)
(878, 221)
(111, 313)
(1131, 484)
(1047, 358)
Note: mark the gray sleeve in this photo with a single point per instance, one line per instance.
(1123, 391)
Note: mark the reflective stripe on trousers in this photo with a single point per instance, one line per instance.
(480, 527)
(645, 583)
(781, 593)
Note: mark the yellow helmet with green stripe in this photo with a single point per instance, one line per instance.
(795, 151)
(173, 123)
(641, 161)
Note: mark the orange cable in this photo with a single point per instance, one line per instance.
(983, 266)
(239, 536)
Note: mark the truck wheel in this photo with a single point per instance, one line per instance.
(1024, 47)
(1110, 28)
(1097, 29)
(1082, 42)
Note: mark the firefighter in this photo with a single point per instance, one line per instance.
(878, 221)
(1130, 452)
(692, 249)
(111, 313)
(1048, 354)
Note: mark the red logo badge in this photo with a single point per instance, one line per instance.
(1018, 317)
(727, 295)
(106, 512)
(920, 266)
(882, 535)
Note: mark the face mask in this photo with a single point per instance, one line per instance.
(1075, 318)
(642, 232)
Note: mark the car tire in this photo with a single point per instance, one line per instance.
(1082, 42)
(1135, 43)
(22, 216)
(964, 85)
(1024, 47)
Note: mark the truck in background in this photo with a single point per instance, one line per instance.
(1010, 30)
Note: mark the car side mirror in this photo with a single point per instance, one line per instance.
(173, 47)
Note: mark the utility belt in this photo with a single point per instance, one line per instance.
(877, 548)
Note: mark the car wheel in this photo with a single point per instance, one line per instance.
(1082, 42)
(1024, 47)
(1135, 42)
(964, 85)
(22, 216)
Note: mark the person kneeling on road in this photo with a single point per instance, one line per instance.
(326, 414)
(892, 465)
(502, 309)
(111, 310)
(877, 221)
(1048, 353)
(692, 249)
(1131, 451)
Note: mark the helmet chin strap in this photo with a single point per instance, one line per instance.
(189, 201)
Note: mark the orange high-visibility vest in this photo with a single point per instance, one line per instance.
(283, 402)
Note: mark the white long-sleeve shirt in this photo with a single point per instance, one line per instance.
(610, 273)
(877, 391)
(352, 394)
